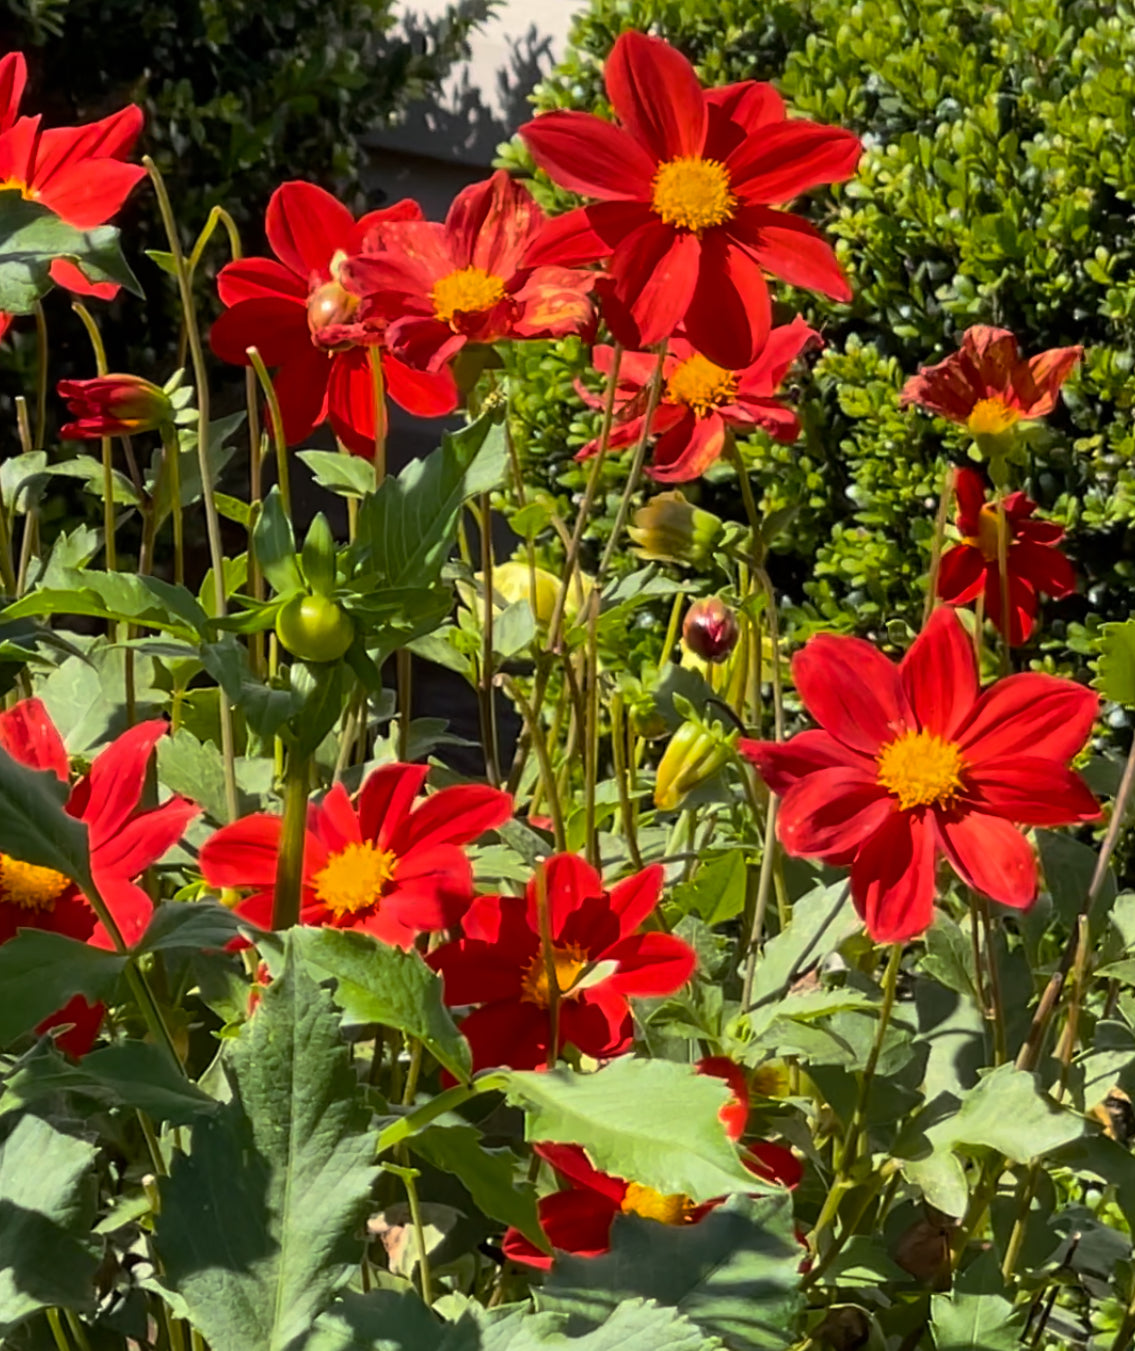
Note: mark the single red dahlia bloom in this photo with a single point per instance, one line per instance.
(699, 402)
(685, 187)
(387, 866)
(578, 1219)
(77, 172)
(442, 286)
(113, 405)
(1033, 562)
(124, 842)
(300, 317)
(987, 387)
(915, 761)
(598, 959)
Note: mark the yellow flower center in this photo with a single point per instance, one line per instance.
(26, 191)
(654, 1206)
(354, 879)
(569, 962)
(28, 886)
(692, 193)
(920, 769)
(988, 532)
(991, 417)
(468, 291)
(701, 385)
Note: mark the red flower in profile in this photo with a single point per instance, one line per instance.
(686, 187)
(113, 405)
(300, 317)
(598, 959)
(700, 401)
(386, 866)
(124, 842)
(1033, 562)
(578, 1219)
(77, 172)
(442, 286)
(987, 387)
(914, 761)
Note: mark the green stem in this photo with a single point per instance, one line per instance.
(57, 1333)
(172, 453)
(1003, 577)
(378, 385)
(289, 867)
(447, 1101)
(996, 998)
(41, 377)
(548, 953)
(591, 731)
(489, 734)
(637, 463)
(547, 774)
(405, 670)
(77, 1330)
(409, 1178)
(272, 399)
(937, 541)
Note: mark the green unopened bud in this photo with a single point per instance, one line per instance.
(696, 752)
(319, 557)
(670, 529)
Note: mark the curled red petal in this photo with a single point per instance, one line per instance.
(29, 736)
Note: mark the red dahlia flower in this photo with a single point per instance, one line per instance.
(598, 959)
(442, 286)
(578, 1219)
(1033, 563)
(915, 761)
(385, 866)
(699, 402)
(113, 405)
(124, 842)
(987, 387)
(300, 317)
(77, 172)
(686, 186)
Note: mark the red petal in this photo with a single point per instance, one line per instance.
(84, 1020)
(334, 820)
(1044, 567)
(734, 1115)
(572, 1163)
(788, 159)
(130, 907)
(457, 815)
(774, 1163)
(257, 278)
(991, 856)
(587, 234)
(554, 301)
(243, 853)
(737, 111)
(13, 77)
(1023, 604)
(584, 154)
(961, 574)
(420, 392)
(831, 813)
(635, 897)
(110, 137)
(1047, 372)
(783, 345)
(578, 1222)
(939, 674)
(517, 1248)
(275, 325)
(423, 342)
(144, 840)
(385, 799)
(511, 1033)
(475, 972)
(655, 271)
(432, 889)
(791, 249)
(1031, 791)
(650, 964)
(88, 192)
(29, 736)
(782, 764)
(117, 778)
(656, 95)
(1030, 714)
(305, 226)
(969, 490)
(568, 881)
(892, 878)
(687, 450)
(491, 223)
(852, 691)
(350, 401)
(730, 313)
(599, 1023)
(301, 388)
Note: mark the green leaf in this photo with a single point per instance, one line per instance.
(32, 237)
(717, 892)
(407, 527)
(125, 1074)
(654, 1122)
(735, 1274)
(274, 546)
(1007, 1112)
(33, 825)
(1115, 670)
(177, 925)
(261, 1222)
(347, 475)
(40, 971)
(45, 1201)
(380, 984)
(821, 921)
(489, 1175)
(976, 1316)
(117, 595)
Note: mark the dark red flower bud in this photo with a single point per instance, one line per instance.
(710, 629)
(113, 405)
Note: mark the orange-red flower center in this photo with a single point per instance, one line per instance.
(674, 1209)
(569, 963)
(991, 417)
(701, 385)
(354, 878)
(920, 769)
(692, 193)
(989, 526)
(466, 291)
(29, 886)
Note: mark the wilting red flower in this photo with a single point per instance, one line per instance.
(124, 842)
(578, 1219)
(914, 761)
(598, 959)
(987, 387)
(442, 286)
(699, 402)
(686, 186)
(385, 866)
(1033, 562)
(77, 172)
(300, 317)
(113, 405)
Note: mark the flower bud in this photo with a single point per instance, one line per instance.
(710, 629)
(113, 405)
(695, 753)
(671, 530)
(330, 306)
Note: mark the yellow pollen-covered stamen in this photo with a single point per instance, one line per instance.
(988, 532)
(29, 886)
(701, 385)
(569, 962)
(692, 193)
(653, 1205)
(920, 769)
(354, 878)
(469, 291)
(991, 417)
(26, 191)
